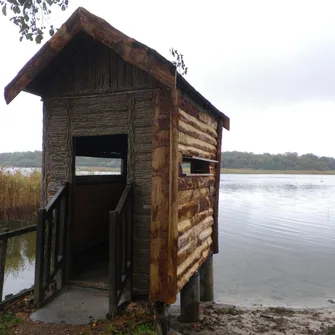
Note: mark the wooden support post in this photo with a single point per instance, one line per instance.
(3, 252)
(39, 264)
(163, 316)
(112, 264)
(206, 280)
(190, 300)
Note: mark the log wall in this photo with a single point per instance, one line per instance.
(197, 136)
(97, 93)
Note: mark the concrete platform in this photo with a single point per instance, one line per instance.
(74, 306)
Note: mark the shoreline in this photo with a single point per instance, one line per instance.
(221, 319)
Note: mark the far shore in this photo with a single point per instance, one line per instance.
(252, 171)
(229, 171)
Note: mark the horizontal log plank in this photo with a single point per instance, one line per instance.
(191, 151)
(195, 194)
(193, 258)
(183, 280)
(195, 143)
(189, 119)
(192, 182)
(205, 233)
(194, 232)
(194, 132)
(187, 211)
(197, 112)
(207, 119)
(186, 251)
(185, 225)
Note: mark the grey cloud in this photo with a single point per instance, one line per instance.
(307, 75)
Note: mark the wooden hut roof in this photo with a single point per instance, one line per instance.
(52, 55)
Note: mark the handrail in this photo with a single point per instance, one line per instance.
(50, 246)
(120, 248)
(123, 198)
(52, 203)
(18, 232)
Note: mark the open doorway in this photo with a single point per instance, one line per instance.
(100, 165)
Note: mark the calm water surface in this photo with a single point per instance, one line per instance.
(277, 242)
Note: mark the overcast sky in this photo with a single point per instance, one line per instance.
(269, 65)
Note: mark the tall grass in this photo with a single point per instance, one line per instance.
(19, 195)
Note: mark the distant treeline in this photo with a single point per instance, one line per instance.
(230, 160)
(287, 161)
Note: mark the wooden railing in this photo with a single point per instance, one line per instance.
(3, 252)
(50, 246)
(120, 248)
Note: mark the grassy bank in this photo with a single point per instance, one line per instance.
(252, 171)
(19, 195)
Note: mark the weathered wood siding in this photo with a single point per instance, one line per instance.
(198, 136)
(97, 69)
(97, 93)
(164, 234)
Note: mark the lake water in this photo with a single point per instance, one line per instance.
(277, 242)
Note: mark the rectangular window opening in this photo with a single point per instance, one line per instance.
(196, 166)
(86, 166)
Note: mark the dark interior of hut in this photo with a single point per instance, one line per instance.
(95, 194)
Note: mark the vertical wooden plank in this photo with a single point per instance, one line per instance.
(112, 264)
(3, 252)
(64, 220)
(215, 233)
(57, 229)
(173, 192)
(124, 242)
(48, 246)
(39, 263)
(162, 271)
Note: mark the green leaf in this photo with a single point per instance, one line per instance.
(4, 10)
(51, 32)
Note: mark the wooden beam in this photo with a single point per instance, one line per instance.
(163, 231)
(194, 182)
(196, 123)
(192, 151)
(215, 234)
(196, 143)
(193, 258)
(194, 232)
(195, 194)
(196, 133)
(185, 225)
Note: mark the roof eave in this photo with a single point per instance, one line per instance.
(185, 86)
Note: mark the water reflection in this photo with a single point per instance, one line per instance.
(20, 261)
(277, 240)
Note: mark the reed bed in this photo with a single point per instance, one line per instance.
(19, 195)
